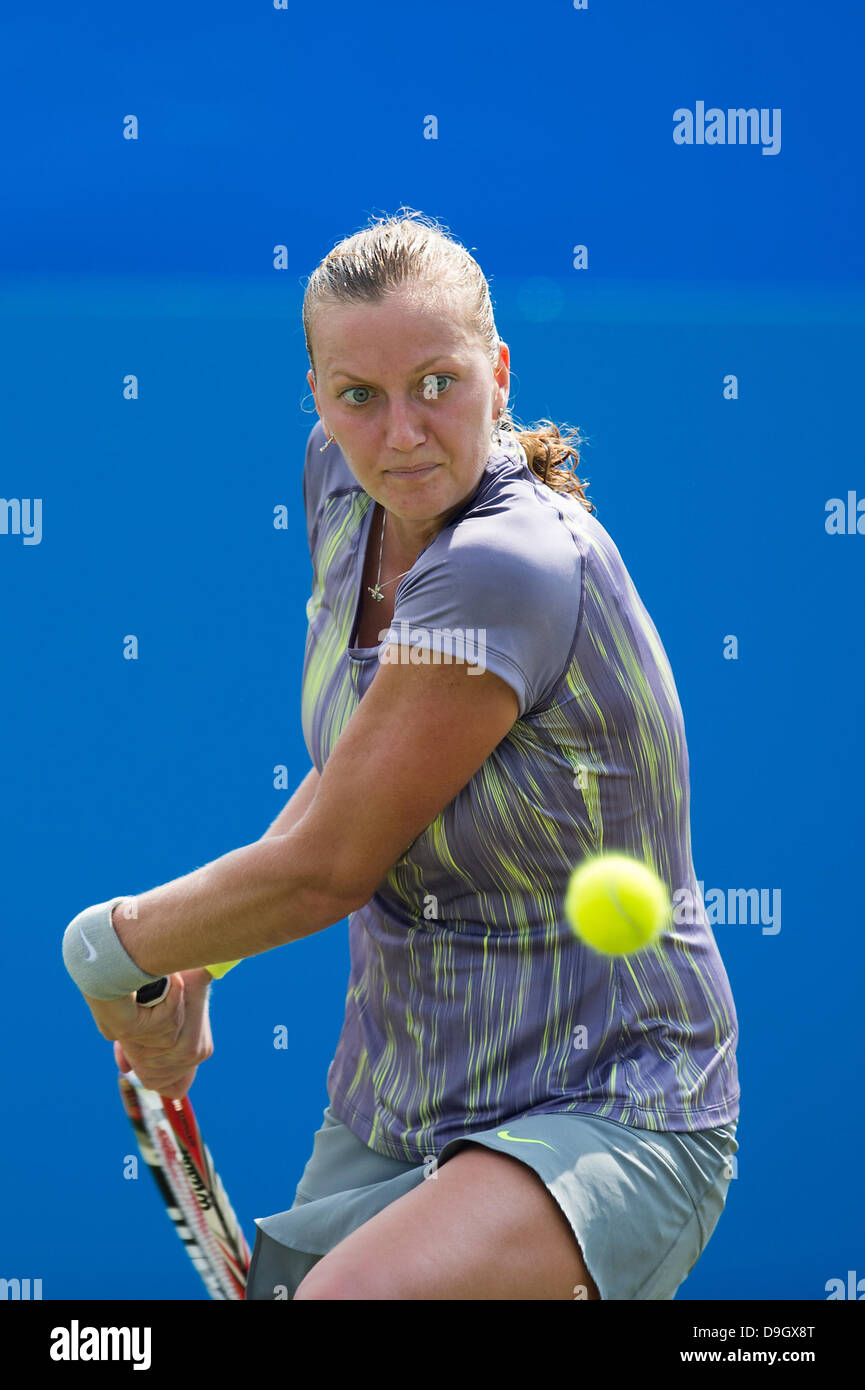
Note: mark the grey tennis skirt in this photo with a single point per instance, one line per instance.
(642, 1203)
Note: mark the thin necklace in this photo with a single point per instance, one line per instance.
(376, 592)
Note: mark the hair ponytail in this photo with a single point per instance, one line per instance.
(553, 456)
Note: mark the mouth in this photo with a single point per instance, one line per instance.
(412, 472)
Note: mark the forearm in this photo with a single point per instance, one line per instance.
(289, 816)
(296, 808)
(250, 900)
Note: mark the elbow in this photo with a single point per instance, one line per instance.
(330, 897)
(326, 881)
(351, 894)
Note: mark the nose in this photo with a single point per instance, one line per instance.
(404, 426)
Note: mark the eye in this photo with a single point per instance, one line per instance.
(355, 388)
(431, 387)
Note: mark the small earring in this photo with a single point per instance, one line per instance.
(325, 444)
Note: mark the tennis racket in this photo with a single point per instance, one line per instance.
(171, 1144)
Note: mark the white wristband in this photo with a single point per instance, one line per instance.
(95, 958)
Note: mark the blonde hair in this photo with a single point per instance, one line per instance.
(409, 248)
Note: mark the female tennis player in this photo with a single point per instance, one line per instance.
(485, 703)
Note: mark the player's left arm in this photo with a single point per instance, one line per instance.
(419, 734)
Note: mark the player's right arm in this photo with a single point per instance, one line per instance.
(171, 1071)
(296, 807)
(293, 811)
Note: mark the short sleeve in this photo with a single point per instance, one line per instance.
(503, 598)
(325, 472)
(313, 479)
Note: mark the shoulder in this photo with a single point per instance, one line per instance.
(325, 472)
(507, 575)
(516, 541)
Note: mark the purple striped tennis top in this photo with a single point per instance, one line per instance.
(470, 1002)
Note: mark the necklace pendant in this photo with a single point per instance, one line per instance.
(376, 593)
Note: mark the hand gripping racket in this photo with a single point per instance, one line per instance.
(171, 1144)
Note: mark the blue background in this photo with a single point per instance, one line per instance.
(260, 127)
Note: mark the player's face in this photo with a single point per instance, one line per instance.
(410, 396)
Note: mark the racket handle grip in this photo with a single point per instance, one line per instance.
(149, 995)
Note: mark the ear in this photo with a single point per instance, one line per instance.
(311, 380)
(502, 376)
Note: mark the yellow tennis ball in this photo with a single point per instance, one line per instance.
(616, 904)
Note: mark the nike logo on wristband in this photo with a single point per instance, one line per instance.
(91, 954)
